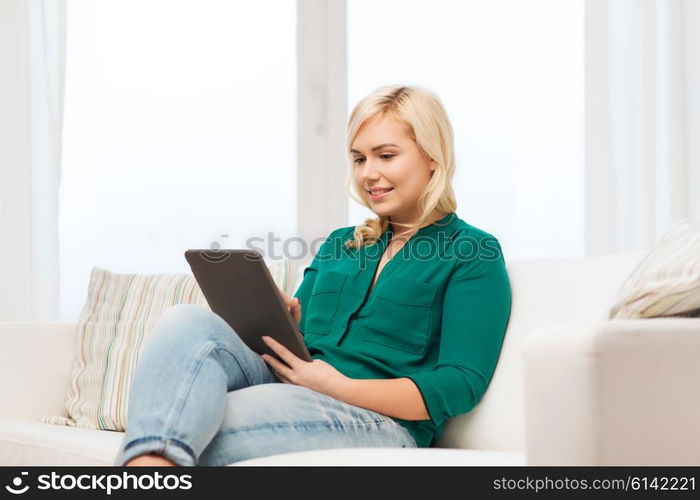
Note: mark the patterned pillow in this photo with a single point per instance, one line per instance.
(666, 282)
(119, 315)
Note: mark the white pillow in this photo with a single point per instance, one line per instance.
(666, 282)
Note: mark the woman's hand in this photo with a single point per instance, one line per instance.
(316, 374)
(293, 306)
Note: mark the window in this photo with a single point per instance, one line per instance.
(510, 74)
(179, 131)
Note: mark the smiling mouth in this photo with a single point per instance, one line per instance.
(377, 193)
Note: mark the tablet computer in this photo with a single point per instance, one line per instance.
(238, 286)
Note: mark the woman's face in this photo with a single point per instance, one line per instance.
(385, 156)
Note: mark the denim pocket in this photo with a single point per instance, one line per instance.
(323, 302)
(400, 316)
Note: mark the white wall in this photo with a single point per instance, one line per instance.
(15, 248)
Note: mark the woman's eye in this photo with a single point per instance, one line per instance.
(384, 156)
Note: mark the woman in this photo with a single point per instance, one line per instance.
(404, 317)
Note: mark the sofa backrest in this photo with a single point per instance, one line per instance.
(546, 293)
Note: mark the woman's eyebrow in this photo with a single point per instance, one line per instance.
(379, 146)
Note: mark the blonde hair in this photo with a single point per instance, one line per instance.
(429, 127)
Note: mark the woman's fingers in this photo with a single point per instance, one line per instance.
(293, 306)
(286, 299)
(296, 310)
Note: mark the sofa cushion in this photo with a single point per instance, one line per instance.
(666, 282)
(391, 457)
(37, 444)
(118, 317)
(34, 443)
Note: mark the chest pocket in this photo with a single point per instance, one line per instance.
(401, 315)
(323, 302)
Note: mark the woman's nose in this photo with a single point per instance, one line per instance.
(369, 171)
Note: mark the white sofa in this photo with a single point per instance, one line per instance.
(570, 388)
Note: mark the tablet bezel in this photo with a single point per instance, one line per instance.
(216, 270)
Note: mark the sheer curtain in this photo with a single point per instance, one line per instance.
(46, 21)
(32, 42)
(642, 128)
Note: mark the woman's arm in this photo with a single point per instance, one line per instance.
(397, 397)
(475, 315)
(394, 397)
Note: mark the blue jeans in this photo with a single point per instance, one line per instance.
(201, 396)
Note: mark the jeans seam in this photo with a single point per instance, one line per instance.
(165, 441)
(146, 439)
(303, 424)
(219, 346)
(241, 366)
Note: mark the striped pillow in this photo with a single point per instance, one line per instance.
(666, 282)
(119, 315)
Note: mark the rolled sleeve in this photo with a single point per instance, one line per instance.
(476, 310)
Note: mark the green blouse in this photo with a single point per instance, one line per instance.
(436, 315)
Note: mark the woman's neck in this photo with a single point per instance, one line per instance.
(401, 231)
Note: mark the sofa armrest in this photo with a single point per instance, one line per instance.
(622, 392)
(36, 360)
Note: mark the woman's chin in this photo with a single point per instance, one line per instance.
(381, 211)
